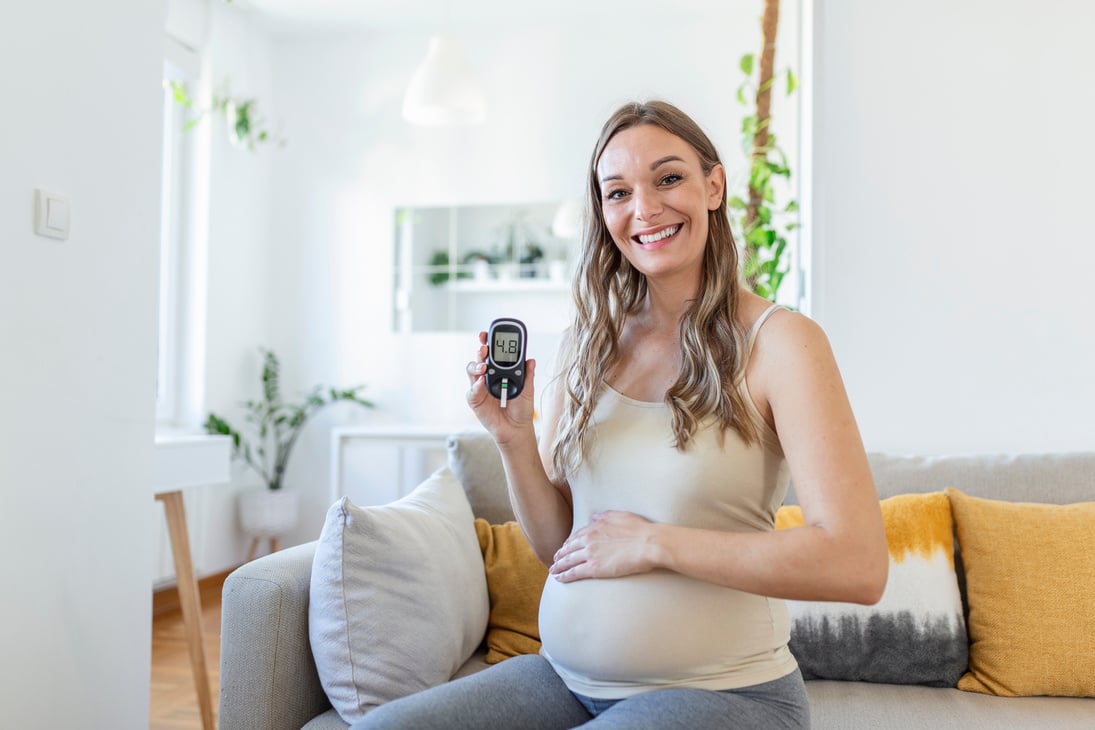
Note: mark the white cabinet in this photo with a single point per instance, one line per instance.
(459, 267)
(379, 464)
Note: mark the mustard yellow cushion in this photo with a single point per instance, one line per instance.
(916, 633)
(1030, 582)
(515, 580)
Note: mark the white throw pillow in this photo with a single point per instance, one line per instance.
(398, 598)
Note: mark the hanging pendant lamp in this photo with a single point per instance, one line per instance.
(442, 91)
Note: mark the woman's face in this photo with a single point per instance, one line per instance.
(655, 199)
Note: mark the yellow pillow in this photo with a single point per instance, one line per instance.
(515, 580)
(1030, 582)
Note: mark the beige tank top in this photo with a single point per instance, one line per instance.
(614, 638)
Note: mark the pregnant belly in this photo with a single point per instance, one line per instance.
(652, 627)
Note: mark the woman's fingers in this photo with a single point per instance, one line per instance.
(477, 367)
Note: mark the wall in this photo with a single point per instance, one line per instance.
(241, 291)
(81, 100)
(351, 161)
(953, 160)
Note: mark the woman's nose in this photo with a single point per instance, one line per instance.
(647, 204)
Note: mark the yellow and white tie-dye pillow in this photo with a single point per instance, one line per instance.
(916, 634)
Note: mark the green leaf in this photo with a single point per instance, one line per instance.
(216, 425)
(178, 91)
(792, 82)
(758, 180)
(736, 203)
(760, 237)
(746, 64)
(271, 368)
(792, 206)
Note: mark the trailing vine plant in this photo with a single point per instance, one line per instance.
(245, 127)
(761, 222)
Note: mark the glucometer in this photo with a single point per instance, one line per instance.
(507, 340)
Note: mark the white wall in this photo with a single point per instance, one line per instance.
(80, 89)
(351, 161)
(954, 240)
(241, 258)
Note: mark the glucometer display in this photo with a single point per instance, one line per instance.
(507, 342)
(506, 348)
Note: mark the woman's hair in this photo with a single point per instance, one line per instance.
(608, 289)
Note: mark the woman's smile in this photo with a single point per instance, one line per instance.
(656, 239)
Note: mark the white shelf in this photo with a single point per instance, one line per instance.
(508, 285)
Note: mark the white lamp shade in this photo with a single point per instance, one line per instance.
(442, 91)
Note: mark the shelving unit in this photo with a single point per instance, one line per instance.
(458, 267)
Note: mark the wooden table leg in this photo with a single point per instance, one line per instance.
(189, 600)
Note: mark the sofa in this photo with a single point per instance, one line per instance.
(269, 678)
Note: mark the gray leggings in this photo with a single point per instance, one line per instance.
(525, 693)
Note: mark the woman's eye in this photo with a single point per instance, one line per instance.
(672, 178)
(615, 194)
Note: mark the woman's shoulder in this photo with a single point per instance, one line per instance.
(782, 329)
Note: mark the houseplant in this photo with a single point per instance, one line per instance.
(274, 427)
(760, 224)
(246, 129)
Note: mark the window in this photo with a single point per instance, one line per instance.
(182, 248)
(170, 214)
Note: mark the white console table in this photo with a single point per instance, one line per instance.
(399, 440)
(183, 461)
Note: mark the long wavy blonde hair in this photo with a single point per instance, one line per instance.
(608, 289)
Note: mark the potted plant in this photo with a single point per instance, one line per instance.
(274, 427)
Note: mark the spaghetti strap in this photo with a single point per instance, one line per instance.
(752, 336)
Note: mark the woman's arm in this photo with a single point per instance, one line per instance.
(542, 508)
(839, 554)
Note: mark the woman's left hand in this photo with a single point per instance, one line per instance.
(612, 545)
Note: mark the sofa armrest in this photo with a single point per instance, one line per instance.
(268, 678)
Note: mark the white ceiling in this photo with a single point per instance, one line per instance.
(292, 17)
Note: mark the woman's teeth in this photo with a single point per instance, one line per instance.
(662, 234)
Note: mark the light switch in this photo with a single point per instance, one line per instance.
(57, 215)
(51, 214)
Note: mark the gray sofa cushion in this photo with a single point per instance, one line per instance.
(1051, 478)
(475, 460)
(854, 705)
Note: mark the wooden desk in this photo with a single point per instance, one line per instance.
(181, 462)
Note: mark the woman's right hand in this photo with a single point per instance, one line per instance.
(502, 423)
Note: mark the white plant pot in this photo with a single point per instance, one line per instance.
(268, 513)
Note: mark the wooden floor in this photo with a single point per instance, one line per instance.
(174, 702)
